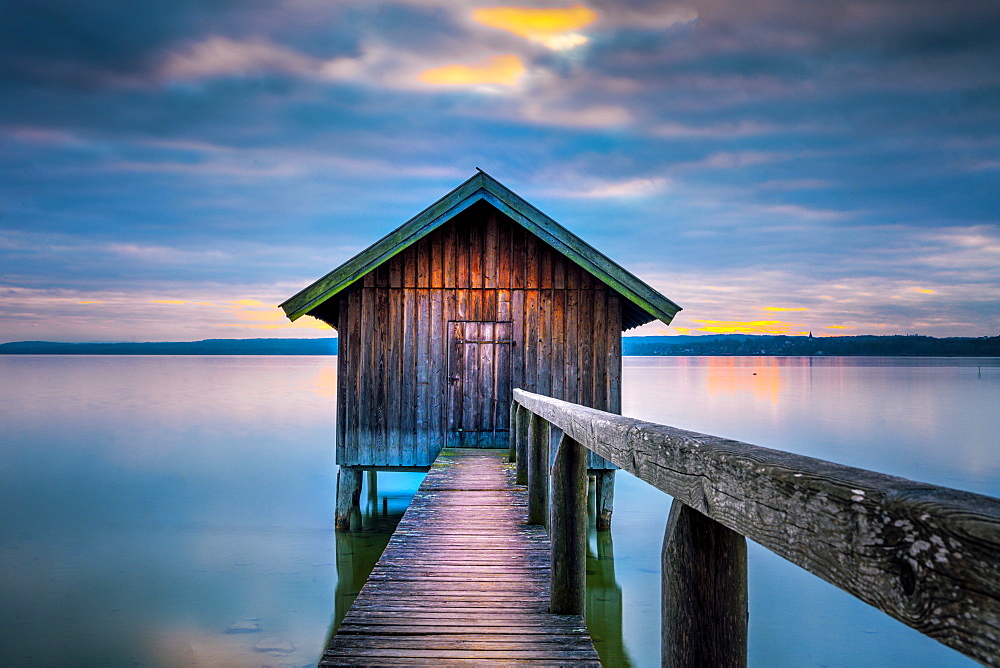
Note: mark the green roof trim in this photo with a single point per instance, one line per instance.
(482, 187)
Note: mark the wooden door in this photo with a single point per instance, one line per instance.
(479, 384)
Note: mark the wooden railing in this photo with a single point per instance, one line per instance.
(927, 555)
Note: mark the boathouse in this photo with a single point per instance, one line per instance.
(439, 320)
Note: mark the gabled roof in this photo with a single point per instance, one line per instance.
(643, 303)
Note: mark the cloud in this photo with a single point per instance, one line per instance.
(66, 314)
(614, 189)
(252, 314)
(737, 159)
(730, 301)
(646, 16)
(222, 56)
(502, 70)
(554, 27)
(745, 153)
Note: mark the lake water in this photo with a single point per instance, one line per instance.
(170, 511)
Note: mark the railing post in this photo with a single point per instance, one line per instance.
(538, 470)
(512, 432)
(522, 420)
(568, 529)
(704, 592)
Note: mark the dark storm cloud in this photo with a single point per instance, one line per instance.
(87, 44)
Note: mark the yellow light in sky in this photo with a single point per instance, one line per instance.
(255, 314)
(551, 27)
(925, 291)
(503, 70)
(751, 327)
(781, 308)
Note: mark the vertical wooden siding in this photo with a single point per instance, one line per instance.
(393, 400)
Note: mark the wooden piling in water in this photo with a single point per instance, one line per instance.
(605, 497)
(348, 494)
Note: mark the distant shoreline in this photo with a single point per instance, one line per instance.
(714, 345)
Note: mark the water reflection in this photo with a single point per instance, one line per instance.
(359, 549)
(178, 510)
(604, 595)
(727, 375)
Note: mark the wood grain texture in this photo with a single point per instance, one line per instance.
(568, 529)
(520, 432)
(605, 499)
(464, 579)
(704, 592)
(538, 470)
(348, 491)
(927, 555)
(643, 304)
(397, 357)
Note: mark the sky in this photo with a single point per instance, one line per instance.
(174, 169)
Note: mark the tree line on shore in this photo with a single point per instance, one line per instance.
(720, 344)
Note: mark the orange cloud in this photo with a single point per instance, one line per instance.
(838, 327)
(751, 327)
(553, 27)
(782, 308)
(505, 70)
(925, 291)
(90, 302)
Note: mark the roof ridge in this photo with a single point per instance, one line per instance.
(483, 187)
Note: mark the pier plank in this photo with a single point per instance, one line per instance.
(464, 580)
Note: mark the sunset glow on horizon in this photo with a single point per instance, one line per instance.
(753, 327)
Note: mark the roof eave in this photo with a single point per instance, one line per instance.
(385, 248)
(581, 253)
(481, 186)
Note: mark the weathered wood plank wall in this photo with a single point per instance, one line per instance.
(393, 392)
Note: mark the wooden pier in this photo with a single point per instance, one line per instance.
(463, 581)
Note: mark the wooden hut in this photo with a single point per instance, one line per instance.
(439, 320)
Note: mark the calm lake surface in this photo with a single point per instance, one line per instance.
(174, 511)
